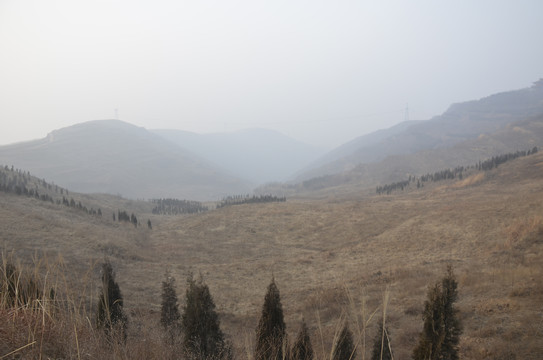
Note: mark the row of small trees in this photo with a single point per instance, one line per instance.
(247, 199)
(495, 161)
(438, 340)
(12, 177)
(199, 327)
(22, 183)
(176, 207)
(196, 328)
(456, 173)
(122, 216)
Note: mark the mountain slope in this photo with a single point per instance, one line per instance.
(258, 155)
(517, 136)
(111, 156)
(460, 122)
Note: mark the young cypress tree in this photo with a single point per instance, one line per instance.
(441, 332)
(430, 339)
(271, 330)
(110, 314)
(451, 321)
(169, 314)
(203, 336)
(381, 344)
(344, 348)
(302, 349)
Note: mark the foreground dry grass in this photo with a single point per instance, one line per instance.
(330, 257)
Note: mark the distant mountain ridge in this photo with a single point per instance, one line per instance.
(258, 155)
(517, 136)
(111, 156)
(461, 122)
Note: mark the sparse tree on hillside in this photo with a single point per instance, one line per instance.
(441, 332)
(134, 220)
(344, 348)
(302, 349)
(271, 330)
(203, 337)
(110, 315)
(169, 314)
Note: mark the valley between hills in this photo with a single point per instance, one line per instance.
(358, 233)
(333, 256)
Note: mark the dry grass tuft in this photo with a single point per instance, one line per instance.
(470, 180)
(523, 229)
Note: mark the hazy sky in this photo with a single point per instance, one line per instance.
(320, 71)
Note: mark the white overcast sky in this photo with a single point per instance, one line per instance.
(320, 71)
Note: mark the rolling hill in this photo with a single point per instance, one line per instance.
(114, 157)
(517, 136)
(461, 122)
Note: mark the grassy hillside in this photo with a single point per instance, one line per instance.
(332, 256)
(114, 157)
(517, 136)
(461, 122)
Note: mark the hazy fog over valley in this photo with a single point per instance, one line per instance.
(223, 180)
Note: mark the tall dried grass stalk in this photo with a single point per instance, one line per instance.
(17, 350)
(386, 297)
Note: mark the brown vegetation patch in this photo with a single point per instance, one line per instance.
(522, 229)
(470, 180)
(316, 249)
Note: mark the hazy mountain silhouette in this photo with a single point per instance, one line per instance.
(258, 155)
(521, 135)
(111, 156)
(460, 122)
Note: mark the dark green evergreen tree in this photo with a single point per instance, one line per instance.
(134, 220)
(381, 344)
(302, 349)
(271, 330)
(169, 314)
(451, 320)
(203, 337)
(441, 332)
(344, 348)
(110, 315)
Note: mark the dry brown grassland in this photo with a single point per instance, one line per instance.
(331, 257)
